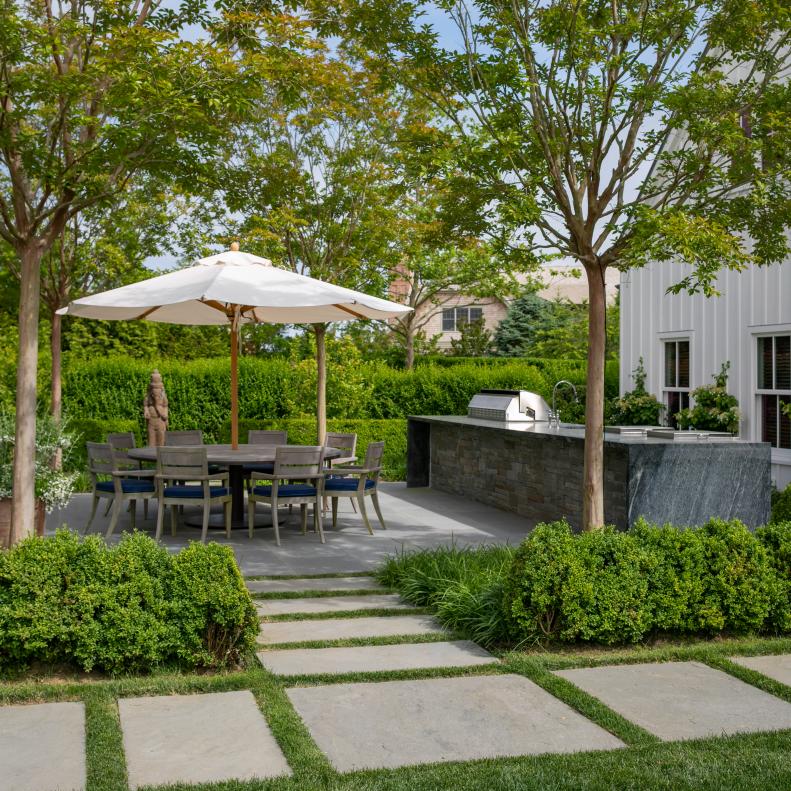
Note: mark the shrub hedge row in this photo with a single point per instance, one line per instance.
(612, 587)
(128, 608)
(607, 587)
(273, 389)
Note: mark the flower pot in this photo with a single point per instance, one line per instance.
(5, 520)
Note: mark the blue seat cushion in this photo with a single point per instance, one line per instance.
(287, 490)
(194, 490)
(128, 485)
(334, 484)
(262, 467)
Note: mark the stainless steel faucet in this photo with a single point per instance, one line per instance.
(554, 415)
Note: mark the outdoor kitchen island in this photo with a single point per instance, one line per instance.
(536, 471)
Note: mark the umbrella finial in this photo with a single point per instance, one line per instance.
(235, 247)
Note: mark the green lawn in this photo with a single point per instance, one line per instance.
(759, 761)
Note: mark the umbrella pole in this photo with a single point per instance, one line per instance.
(235, 383)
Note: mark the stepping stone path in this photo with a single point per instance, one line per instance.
(42, 747)
(323, 604)
(313, 584)
(223, 736)
(198, 739)
(776, 667)
(347, 628)
(682, 700)
(373, 658)
(398, 723)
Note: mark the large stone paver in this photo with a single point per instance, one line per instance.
(776, 667)
(682, 700)
(398, 723)
(198, 739)
(42, 747)
(372, 658)
(346, 628)
(313, 584)
(322, 604)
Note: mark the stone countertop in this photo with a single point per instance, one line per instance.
(567, 431)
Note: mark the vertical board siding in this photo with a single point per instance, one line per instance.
(719, 329)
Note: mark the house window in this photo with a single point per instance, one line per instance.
(774, 389)
(453, 319)
(676, 379)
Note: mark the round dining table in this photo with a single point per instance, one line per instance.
(235, 460)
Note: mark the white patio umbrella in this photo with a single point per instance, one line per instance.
(233, 288)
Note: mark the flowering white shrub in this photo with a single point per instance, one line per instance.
(53, 486)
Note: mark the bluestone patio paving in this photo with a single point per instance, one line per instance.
(197, 739)
(42, 747)
(682, 700)
(373, 658)
(415, 518)
(346, 628)
(399, 723)
(313, 584)
(321, 604)
(777, 667)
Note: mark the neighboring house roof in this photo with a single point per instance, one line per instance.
(560, 283)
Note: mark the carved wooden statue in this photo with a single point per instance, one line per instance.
(155, 410)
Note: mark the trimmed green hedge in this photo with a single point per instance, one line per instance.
(113, 389)
(611, 587)
(302, 431)
(606, 587)
(128, 608)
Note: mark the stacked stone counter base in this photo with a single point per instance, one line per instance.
(536, 472)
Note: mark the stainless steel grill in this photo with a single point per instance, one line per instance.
(508, 406)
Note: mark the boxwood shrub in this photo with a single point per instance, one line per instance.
(611, 587)
(132, 607)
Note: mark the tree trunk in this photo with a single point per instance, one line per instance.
(593, 471)
(56, 323)
(56, 389)
(23, 502)
(409, 362)
(321, 381)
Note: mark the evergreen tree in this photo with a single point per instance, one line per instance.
(527, 316)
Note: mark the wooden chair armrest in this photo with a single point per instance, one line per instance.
(351, 471)
(134, 473)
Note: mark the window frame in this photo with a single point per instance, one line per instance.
(775, 391)
(683, 392)
(456, 310)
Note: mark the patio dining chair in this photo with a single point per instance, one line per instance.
(264, 437)
(302, 463)
(357, 483)
(343, 442)
(122, 443)
(178, 464)
(110, 479)
(176, 439)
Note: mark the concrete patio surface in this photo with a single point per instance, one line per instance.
(682, 700)
(306, 631)
(777, 667)
(42, 747)
(400, 723)
(415, 518)
(316, 605)
(374, 658)
(198, 739)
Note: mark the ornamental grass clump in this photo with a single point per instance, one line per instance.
(133, 607)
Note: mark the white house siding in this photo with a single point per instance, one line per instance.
(754, 302)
